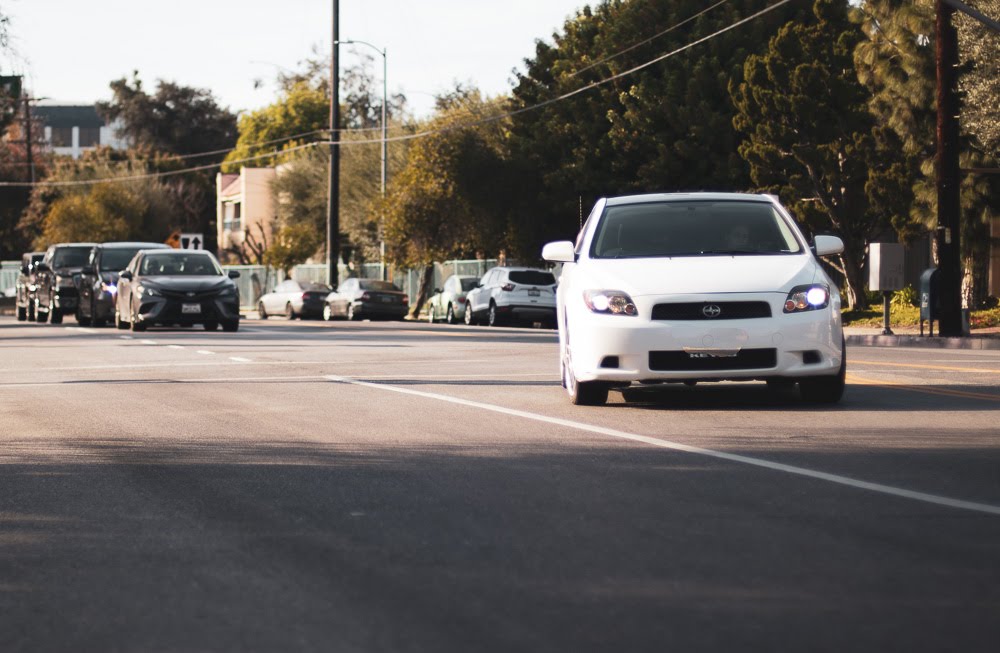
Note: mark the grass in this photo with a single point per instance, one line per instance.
(910, 316)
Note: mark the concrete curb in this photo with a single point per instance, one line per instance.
(926, 342)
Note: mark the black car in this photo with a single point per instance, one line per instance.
(357, 299)
(25, 286)
(177, 286)
(56, 280)
(98, 283)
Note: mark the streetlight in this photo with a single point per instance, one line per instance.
(384, 134)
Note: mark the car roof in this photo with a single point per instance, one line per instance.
(680, 197)
(518, 268)
(141, 245)
(175, 252)
(73, 245)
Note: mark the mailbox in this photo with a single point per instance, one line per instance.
(930, 299)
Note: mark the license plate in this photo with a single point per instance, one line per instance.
(534, 293)
(190, 308)
(387, 300)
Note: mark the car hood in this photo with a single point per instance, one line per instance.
(701, 274)
(186, 284)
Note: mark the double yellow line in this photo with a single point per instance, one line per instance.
(857, 380)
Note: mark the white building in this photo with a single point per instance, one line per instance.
(72, 130)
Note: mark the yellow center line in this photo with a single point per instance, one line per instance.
(924, 367)
(856, 380)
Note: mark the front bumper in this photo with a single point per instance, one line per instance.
(66, 299)
(166, 310)
(625, 349)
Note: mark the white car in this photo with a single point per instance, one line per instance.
(692, 287)
(509, 294)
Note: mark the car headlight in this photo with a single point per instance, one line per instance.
(109, 288)
(148, 291)
(229, 291)
(807, 298)
(611, 302)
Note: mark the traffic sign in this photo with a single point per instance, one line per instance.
(192, 241)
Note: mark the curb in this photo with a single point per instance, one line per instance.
(926, 342)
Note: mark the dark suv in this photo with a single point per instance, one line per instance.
(56, 280)
(98, 283)
(25, 286)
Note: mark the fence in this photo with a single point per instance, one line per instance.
(9, 271)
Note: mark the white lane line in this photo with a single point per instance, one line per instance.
(205, 351)
(82, 330)
(240, 359)
(677, 446)
(125, 337)
(148, 342)
(175, 346)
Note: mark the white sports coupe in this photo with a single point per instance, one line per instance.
(689, 287)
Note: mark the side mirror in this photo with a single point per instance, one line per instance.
(125, 274)
(561, 251)
(828, 245)
(234, 274)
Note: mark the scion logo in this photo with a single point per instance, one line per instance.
(711, 311)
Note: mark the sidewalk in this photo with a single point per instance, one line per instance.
(910, 337)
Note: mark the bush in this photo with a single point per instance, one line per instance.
(905, 298)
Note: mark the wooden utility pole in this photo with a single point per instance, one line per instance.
(333, 203)
(949, 204)
(27, 138)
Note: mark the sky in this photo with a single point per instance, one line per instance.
(69, 50)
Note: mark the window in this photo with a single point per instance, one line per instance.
(532, 278)
(62, 137)
(469, 284)
(90, 136)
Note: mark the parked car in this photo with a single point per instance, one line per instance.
(448, 302)
(98, 283)
(56, 280)
(177, 286)
(24, 288)
(357, 299)
(508, 294)
(695, 287)
(293, 299)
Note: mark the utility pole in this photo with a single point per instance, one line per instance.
(27, 137)
(948, 173)
(333, 203)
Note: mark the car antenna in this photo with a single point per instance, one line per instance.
(580, 200)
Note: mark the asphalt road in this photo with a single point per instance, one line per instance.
(303, 486)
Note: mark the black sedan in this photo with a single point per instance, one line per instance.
(98, 283)
(357, 299)
(181, 287)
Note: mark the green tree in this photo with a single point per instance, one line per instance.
(981, 82)
(811, 139)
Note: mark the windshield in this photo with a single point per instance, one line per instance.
(532, 277)
(374, 284)
(469, 284)
(696, 228)
(316, 287)
(188, 265)
(118, 258)
(70, 257)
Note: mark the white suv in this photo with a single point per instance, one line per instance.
(507, 294)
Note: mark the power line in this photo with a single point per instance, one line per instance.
(429, 132)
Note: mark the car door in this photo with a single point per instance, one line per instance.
(345, 294)
(478, 299)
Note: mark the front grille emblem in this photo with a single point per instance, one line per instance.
(711, 311)
(190, 294)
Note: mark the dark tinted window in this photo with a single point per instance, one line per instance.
(113, 260)
(70, 257)
(469, 284)
(316, 287)
(532, 277)
(375, 284)
(187, 265)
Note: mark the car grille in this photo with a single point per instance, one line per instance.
(681, 361)
(182, 295)
(727, 311)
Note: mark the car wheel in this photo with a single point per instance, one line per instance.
(450, 319)
(31, 311)
(825, 389)
(470, 319)
(40, 315)
(491, 317)
(135, 324)
(81, 320)
(55, 315)
(583, 393)
(22, 313)
(289, 311)
(327, 312)
(210, 326)
(351, 312)
(231, 326)
(261, 311)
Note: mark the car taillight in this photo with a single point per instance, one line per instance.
(460, 300)
(507, 286)
(365, 296)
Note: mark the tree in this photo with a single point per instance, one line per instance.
(451, 197)
(811, 139)
(981, 83)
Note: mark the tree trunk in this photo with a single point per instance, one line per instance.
(423, 292)
(854, 279)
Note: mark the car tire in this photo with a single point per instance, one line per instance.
(825, 389)
(81, 320)
(450, 318)
(585, 393)
(40, 316)
(261, 311)
(55, 315)
(22, 313)
(231, 327)
(470, 318)
(327, 313)
(492, 318)
(210, 326)
(289, 311)
(31, 311)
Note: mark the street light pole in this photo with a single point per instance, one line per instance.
(385, 142)
(333, 202)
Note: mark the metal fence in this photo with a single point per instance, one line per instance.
(9, 271)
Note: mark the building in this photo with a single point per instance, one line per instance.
(244, 211)
(73, 129)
